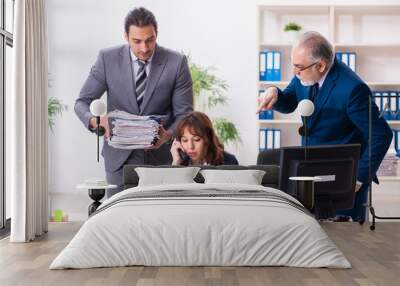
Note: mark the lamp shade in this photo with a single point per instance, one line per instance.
(306, 107)
(98, 108)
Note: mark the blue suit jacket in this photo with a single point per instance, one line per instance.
(341, 115)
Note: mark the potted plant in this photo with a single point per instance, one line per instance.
(54, 108)
(209, 92)
(292, 31)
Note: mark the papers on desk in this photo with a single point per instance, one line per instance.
(131, 131)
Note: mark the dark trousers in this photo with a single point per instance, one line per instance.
(161, 156)
(116, 178)
(358, 212)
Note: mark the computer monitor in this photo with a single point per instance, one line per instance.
(336, 163)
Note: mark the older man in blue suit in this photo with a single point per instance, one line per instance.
(341, 113)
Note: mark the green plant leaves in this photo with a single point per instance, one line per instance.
(226, 130)
(205, 81)
(292, 27)
(54, 108)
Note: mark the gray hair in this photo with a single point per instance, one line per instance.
(317, 45)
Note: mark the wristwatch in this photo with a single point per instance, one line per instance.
(102, 130)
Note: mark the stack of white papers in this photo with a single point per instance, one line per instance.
(131, 131)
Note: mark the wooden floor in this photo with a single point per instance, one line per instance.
(374, 255)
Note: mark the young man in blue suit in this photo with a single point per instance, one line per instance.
(341, 114)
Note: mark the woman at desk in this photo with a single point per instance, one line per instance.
(197, 144)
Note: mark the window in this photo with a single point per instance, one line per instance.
(6, 44)
(9, 13)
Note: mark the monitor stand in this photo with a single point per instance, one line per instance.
(324, 208)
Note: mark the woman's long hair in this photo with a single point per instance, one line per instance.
(200, 125)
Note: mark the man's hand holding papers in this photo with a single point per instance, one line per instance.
(165, 136)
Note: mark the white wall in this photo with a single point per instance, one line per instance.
(219, 33)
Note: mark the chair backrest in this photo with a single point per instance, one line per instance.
(270, 179)
(269, 157)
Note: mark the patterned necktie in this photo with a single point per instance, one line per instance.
(313, 91)
(141, 80)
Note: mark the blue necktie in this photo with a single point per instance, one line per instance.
(313, 91)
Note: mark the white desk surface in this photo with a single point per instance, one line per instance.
(95, 187)
(304, 178)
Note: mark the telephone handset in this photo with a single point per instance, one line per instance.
(184, 157)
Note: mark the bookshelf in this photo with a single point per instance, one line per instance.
(370, 31)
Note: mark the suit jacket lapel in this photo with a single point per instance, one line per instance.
(323, 94)
(157, 66)
(128, 78)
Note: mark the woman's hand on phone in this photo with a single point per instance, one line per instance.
(176, 159)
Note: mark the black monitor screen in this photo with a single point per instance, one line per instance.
(337, 164)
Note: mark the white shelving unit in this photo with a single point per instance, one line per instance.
(389, 178)
(280, 121)
(371, 31)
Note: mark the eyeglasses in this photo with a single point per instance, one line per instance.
(300, 68)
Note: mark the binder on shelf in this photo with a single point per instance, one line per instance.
(396, 141)
(270, 65)
(270, 138)
(348, 58)
(398, 105)
(277, 138)
(345, 58)
(263, 67)
(266, 114)
(339, 56)
(393, 106)
(388, 103)
(352, 61)
(262, 144)
(378, 100)
(276, 73)
(385, 105)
